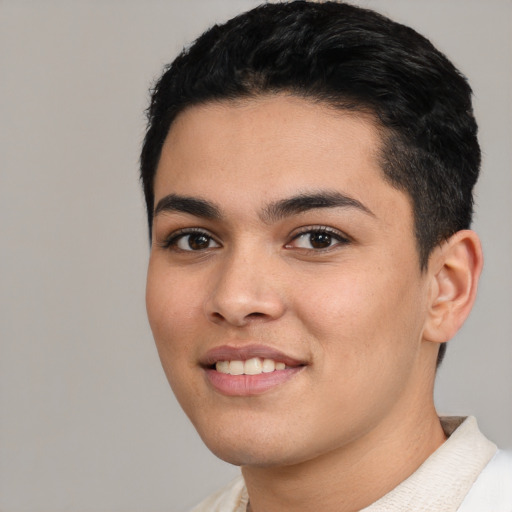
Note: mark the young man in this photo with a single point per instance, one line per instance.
(308, 171)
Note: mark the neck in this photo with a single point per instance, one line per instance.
(351, 477)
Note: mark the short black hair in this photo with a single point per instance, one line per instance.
(349, 58)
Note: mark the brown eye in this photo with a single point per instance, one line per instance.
(198, 241)
(191, 241)
(320, 240)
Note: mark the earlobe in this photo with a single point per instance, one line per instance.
(455, 268)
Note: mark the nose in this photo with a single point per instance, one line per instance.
(245, 290)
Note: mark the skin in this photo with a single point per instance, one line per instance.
(359, 313)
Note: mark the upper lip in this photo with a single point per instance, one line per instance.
(242, 353)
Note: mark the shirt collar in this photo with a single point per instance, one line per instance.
(443, 480)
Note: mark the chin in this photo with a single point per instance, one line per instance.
(249, 443)
(250, 455)
(268, 445)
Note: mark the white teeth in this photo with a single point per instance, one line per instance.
(236, 367)
(253, 366)
(222, 366)
(269, 365)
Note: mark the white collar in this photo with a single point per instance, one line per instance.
(443, 480)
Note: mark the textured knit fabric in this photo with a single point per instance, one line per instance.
(493, 489)
(445, 482)
(232, 498)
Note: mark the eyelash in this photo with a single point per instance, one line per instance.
(335, 235)
(171, 242)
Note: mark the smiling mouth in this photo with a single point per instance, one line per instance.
(249, 370)
(253, 366)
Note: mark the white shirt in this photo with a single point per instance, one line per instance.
(465, 474)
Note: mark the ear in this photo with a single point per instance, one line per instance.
(455, 268)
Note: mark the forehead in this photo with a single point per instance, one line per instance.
(269, 147)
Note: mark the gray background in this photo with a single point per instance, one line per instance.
(88, 422)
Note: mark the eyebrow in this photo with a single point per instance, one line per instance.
(271, 213)
(304, 202)
(184, 204)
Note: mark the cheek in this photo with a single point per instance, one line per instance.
(170, 299)
(363, 314)
(367, 331)
(337, 305)
(173, 309)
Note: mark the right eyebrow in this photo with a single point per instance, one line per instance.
(185, 204)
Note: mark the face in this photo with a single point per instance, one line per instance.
(284, 289)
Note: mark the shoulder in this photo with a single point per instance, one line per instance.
(231, 498)
(492, 489)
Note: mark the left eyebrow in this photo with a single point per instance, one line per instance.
(304, 202)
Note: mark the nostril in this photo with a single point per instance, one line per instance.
(241, 320)
(255, 315)
(240, 307)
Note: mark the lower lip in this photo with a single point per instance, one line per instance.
(249, 385)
